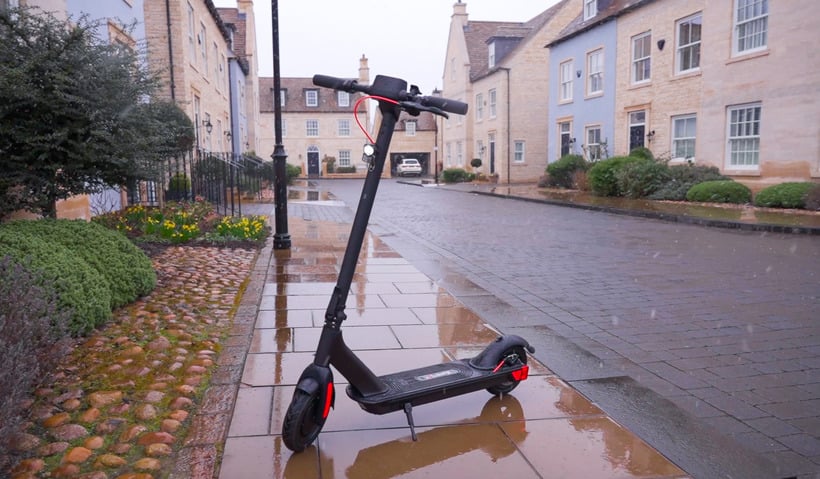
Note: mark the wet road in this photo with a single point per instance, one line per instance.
(687, 335)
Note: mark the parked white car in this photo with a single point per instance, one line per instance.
(408, 167)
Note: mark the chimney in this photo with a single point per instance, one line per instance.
(364, 71)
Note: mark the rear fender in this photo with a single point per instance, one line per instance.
(488, 359)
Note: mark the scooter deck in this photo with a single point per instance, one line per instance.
(430, 383)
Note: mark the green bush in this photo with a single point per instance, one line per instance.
(784, 195)
(346, 169)
(642, 152)
(32, 341)
(292, 171)
(682, 178)
(562, 172)
(603, 176)
(81, 289)
(722, 191)
(640, 179)
(125, 267)
(455, 175)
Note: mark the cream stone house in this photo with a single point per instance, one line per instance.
(501, 70)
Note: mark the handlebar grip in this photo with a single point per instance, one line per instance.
(327, 81)
(445, 104)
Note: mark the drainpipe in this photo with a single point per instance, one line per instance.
(508, 123)
(170, 49)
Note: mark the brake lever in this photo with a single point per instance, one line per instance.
(414, 108)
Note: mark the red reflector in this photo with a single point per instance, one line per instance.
(328, 400)
(521, 374)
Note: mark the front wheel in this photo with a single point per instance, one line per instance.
(508, 386)
(300, 428)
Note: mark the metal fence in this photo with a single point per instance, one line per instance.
(222, 179)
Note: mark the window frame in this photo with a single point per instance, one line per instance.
(565, 83)
(311, 94)
(593, 74)
(342, 127)
(203, 42)
(519, 154)
(493, 102)
(345, 158)
(754, 139)
(343, 98)
(191, 34)
(410, 127)
(635, 63)
(675, 138)
(590, 153)
(590, 9)
(311, 126)
(737, 25)
(479, 108)
(680, 48)
(491, 55)
(561, 134)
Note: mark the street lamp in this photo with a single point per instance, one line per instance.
(281, 238)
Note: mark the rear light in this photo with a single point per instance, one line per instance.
(521, 374)
(328, 400)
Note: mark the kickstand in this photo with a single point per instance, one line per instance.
(408, 411)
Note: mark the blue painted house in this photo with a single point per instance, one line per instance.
(582, 97)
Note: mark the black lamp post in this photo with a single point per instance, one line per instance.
(281, 238)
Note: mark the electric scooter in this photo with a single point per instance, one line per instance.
(498, 368)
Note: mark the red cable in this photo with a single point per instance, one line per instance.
(356, 111)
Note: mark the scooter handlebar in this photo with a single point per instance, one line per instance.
(350, 85)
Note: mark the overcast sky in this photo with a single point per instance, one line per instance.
(405, 39)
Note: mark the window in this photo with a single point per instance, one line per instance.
(518, 155)
(217, 65)
(344, 157)
(491, 57)
(641, 47)
(683, 137)
(203, 49)
(312, 97)
(492, 103)
(223, 83)
(590, 9)
(566, 81)
(283, 96)
(459, 160)
(637, 129)
(751, 25)
(191, 34)
(479, 106)
(284, 127)
(410, 128)
(343, 98)
(565, 133)
(744, 136)
(595, 70)
(593, 146)
(197, 117)
(343, 127)
(312, 127)
(452, 68)
(688, 50)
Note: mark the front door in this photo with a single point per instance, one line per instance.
(313, 164)
(637, 129)
(491, 142)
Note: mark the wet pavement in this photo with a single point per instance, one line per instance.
(701, 340)
(400, 318)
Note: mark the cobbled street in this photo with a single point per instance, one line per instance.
(657, 322)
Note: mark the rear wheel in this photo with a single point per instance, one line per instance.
(300, 428)
(508, 386)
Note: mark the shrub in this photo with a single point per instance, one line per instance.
(603, 179)
(640, 179)
(561, 173)
(454, 175)
(722, 191)
(32, 341)
(813, 198)
(682, 178)
(178, 187)
(784, 195)
(80, 288)
(642, 152)
(346, 169)
(127, 270)
(475, 162)
(292, 171)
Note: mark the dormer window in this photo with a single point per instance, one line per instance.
(491, 57)
(312, 97)
(590, 9)
(343, 98)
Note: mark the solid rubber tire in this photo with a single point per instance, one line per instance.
(508, 386)
(300, 429)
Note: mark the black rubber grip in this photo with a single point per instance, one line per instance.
(333, 82)
(451, 106)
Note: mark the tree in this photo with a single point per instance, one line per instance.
(74, 112)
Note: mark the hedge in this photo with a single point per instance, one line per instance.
(784, 195)
(723, 191)
(603, 179)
